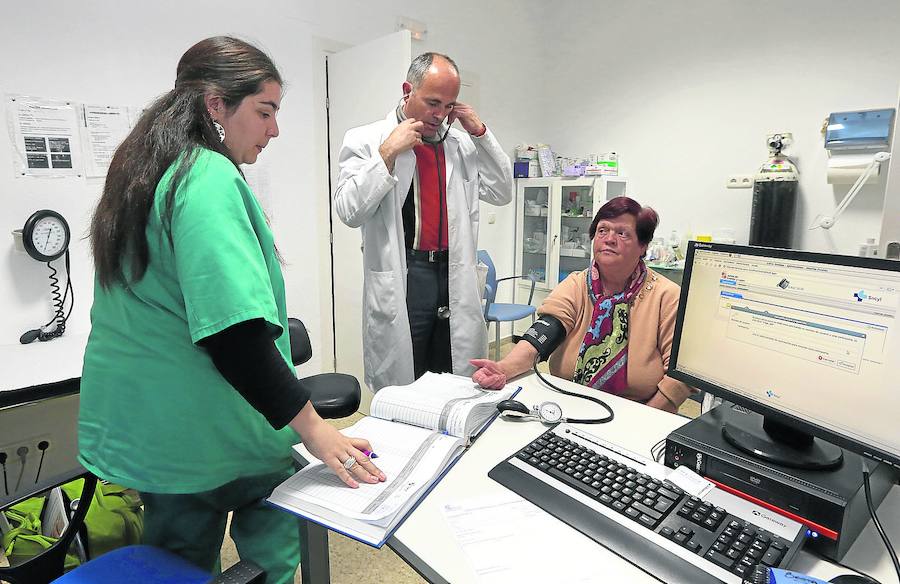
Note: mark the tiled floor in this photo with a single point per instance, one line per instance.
(353, 562)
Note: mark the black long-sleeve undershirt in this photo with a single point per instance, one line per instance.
(246, 356)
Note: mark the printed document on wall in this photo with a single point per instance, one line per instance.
(258, 179)
(45, 136)
(104, 128)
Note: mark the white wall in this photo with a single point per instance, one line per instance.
(123, 54)
(686, 92)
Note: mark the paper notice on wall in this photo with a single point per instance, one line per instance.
(103, 127)
(45, 136)
(257, 176)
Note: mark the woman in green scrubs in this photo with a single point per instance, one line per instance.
(187, 391)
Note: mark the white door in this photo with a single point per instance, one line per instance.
(364, 83)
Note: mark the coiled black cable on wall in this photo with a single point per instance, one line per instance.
(57, 325)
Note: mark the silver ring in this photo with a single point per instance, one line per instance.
(349, 463)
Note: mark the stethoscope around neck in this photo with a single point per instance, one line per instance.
(443, 311)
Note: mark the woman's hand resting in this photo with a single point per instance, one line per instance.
(488, 374)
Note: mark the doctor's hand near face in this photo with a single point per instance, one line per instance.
(405, 136)
(468, 119)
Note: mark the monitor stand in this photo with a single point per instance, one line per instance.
(773, 441)
(852, 579)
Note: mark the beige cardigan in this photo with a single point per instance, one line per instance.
(651, 325)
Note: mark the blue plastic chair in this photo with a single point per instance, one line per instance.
(498, 312)
(138, 564)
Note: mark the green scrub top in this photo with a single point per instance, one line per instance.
(156, 415)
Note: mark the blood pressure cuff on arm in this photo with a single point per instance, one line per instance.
(545, 334)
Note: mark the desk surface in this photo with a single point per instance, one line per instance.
(427, 544)
(28, 368)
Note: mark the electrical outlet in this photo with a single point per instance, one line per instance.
(23, 463)
(48, 429)
(739, 181)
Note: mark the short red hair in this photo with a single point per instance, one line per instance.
(645, 218)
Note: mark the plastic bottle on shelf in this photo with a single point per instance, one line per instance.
(676, 244)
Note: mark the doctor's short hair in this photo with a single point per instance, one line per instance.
(419, 67)
(645, 218)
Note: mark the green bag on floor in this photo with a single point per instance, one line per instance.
(24, 540)
(114, 519)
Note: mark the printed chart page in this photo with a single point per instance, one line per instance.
(410, 457)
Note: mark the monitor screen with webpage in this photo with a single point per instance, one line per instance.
(808, 340)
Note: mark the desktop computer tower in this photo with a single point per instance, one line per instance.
(831, 503)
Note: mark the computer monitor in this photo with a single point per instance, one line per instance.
(808, 340)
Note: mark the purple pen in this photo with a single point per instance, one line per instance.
(370, 454)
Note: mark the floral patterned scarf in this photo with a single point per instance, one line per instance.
(603, 356)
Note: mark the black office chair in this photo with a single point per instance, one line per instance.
(334, 395)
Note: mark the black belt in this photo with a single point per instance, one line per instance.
(431, 256)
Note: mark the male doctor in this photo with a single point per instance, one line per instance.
(412, 183)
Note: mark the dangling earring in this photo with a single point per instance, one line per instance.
(220, 130)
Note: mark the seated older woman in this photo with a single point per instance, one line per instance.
(608, 327)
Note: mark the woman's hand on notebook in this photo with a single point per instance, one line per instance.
(336, 450)
(488, 374)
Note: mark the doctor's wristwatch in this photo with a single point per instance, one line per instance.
(547, 412)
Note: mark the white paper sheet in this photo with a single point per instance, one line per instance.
(690, 481)
(104, 128)
(45, 136)
(497, 536)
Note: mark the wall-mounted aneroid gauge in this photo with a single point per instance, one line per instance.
(46, 235)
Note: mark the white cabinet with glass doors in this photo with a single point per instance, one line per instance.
(554, 217)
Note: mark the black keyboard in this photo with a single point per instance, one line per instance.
(621, 500)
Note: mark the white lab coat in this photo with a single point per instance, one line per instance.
(368, 196)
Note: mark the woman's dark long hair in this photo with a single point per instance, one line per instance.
(175, 124)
